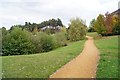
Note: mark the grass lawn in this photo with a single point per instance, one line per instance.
(95, 35)
(39, 65)
(108, 64)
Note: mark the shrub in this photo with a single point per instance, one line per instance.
(47, 43)
(61, 39)
(43, 42)
(48, 31)
(17, 43)
(36, 42)
(77, 29)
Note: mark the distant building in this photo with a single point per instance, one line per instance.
(117, 13)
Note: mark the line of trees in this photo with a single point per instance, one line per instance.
(105, 25)
(52, 24)
(20, 39)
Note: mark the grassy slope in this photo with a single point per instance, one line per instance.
(94, 35)
(40, 65)
(108, 65)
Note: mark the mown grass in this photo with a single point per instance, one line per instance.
(108, 64)
(39, 65)
(95, 35)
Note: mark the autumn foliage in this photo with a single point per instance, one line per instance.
(107, 24)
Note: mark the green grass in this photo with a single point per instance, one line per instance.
(95, 35)
(40, 65)
(108, 64)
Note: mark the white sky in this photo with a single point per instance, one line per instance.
(20, 11)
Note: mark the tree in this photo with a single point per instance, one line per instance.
(59, 22)
(77, 29)
(108, 23)
(91, 26)
(61, 39)
(116, 25)
(4, 31)
(43, 42)
(28, 26)
(17, 42)
(14, 26)
(99, 25)
(53, 22)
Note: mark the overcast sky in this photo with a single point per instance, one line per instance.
(20, 11)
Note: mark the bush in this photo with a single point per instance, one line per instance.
(61, 39)
(77, 29)
(47, 43)
(43, 42)
(17, 43)
(36, 42)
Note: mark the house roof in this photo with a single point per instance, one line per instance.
(117, 12)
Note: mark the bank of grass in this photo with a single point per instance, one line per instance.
(108, 64)
(95, 35)
(39, 65)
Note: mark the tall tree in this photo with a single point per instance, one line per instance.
(99, 24)
(91, 26)
(59, 22)
(116, 25)
(53, 22)
(4, 31)
(108, 23)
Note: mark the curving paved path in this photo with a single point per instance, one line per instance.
(83, 66)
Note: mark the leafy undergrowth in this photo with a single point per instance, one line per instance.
(108, 64)
(39, 65)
